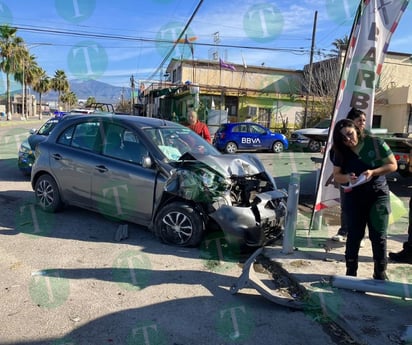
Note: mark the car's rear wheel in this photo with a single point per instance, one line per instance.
(180, 224)
(314, 146)
(231, 147)
(277, 147)
(47, 194)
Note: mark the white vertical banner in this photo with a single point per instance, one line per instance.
(375, 22)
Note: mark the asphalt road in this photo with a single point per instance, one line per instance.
(64, 279)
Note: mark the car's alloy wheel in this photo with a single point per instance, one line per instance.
(47, 194)
(231, 147)
(277, 147)
(180, 224)
(314, 146)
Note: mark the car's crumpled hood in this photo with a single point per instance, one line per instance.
(229, 165)
(203, 178)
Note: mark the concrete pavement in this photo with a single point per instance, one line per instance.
(369, 318)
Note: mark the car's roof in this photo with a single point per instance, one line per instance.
(245, 123)
(137, 121)
(233, 124)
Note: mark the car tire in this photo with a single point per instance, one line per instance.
(47, 194)
(231, 147)
(179, 224)
(278, 147)
(314, 146)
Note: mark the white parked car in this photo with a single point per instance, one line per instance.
(312, 143)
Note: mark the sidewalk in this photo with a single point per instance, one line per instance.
(16, 120)
(369, 318)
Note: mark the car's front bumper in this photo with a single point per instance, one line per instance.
(255, 225)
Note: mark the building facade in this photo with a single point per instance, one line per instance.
(273, 97)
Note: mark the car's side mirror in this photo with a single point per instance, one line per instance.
(147, 162)
(33, 130)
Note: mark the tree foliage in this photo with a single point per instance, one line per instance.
(11, 50)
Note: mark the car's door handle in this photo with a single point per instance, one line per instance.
(101, 168)
(57, 156)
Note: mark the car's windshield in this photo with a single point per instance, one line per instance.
(176, 141)
(47, 127)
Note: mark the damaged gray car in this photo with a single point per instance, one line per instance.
(158, 174)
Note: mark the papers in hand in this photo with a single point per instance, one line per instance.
(360, 180)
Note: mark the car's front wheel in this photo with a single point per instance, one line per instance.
(231, 147)
(180, 224)
(314, 146)
(47, 194)
(278, 147)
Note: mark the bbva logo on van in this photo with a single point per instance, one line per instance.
(250, 140)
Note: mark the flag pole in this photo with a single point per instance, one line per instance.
(326, 153)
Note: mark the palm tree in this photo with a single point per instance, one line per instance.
(41, 86)
(90, 101)
(11, 50)
(340, 44)
(60, 84)
(69, 98)
(27, 76)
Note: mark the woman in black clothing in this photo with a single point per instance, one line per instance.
(358, 156)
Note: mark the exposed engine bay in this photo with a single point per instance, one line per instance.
(236, 192)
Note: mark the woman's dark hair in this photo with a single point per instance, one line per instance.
(339, 146)
(354, 114)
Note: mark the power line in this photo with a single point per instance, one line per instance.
(177, 41)
(152, 40)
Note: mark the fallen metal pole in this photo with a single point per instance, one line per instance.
(292, 214)
(250, 279)
(383, 287)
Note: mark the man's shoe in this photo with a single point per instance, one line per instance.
(339, 238)
(404, 256)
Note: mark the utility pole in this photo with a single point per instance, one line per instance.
(312, 48)
(132, 85)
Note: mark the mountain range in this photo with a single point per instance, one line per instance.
(102, 92)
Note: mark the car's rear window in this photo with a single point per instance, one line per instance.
(223, 127)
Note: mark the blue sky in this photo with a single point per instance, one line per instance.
(132, 37)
